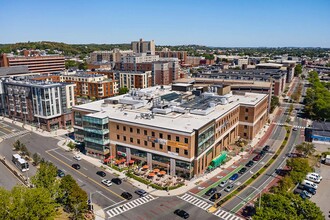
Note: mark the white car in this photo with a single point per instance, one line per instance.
(106, 182)
(315, 175)
(77, 157)
(223, 183)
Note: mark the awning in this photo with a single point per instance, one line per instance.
(217, 161)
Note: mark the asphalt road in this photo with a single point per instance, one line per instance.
(8, 180)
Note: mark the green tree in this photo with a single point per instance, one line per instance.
(46, 178)
(36, 159)
(123, 90)
(284, 185)
(298, 70)
(82, 66)
(5, 203)
(73, 197)
(274, 103)
(299, 169)
(17, 145)
(70, 64)
(305, 148)
(285, 206)
(71, 145)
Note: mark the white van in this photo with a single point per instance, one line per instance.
(309, 184)
(312, 178)
(317, 175)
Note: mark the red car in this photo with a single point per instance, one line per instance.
(257, 157)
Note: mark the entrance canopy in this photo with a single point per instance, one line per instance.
(217, 161)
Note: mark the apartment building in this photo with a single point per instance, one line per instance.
(165, 71)
(36, 64)
(96, 86)
(112, 56)
(166, 53)
(142, 46)
(138, 80)
(182, 132)
(46, 104)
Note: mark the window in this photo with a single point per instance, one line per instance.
(138, 130)
(169, 137)
(138, 141)
(185, 152)
(124, 128)
(117, 127)
(145, 143)
(245, 126)
(145, 132)
(124, 137)
(186, 140)
(131, 140)
(246, 118)
(118, 137)
(245, 134)
(153, 133)
(169, 148)
(161, 146)
(177, 150)
(131, 130)
(177, 138)
(153, 144)
(160, 135)
(246, 110)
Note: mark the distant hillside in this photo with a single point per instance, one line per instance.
(68, 49)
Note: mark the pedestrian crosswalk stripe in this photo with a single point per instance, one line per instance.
(195, 201)
(10, 135)
(129, 205)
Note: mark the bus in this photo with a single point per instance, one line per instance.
(20, 163)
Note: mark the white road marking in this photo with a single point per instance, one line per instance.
(122, 190)
(80, 180)
(84, 168)
(61, 155)
(107, 197)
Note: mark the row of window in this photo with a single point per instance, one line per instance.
(161, 146)
(153, 134)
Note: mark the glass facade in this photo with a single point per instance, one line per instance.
(96, 131)
(205, 139)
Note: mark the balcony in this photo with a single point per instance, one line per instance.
(97, 131)
(97, 141)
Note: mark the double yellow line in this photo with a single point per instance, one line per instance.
(85, 175)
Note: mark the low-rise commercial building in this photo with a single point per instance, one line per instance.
(182, 132)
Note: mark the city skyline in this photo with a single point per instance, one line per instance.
(212, 23)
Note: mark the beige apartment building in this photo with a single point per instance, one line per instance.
(138, 80)
(142, 46)
(181, 132)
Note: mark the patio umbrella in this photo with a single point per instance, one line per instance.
(156, 170)
(145, 167)
(162, 172)
(131, 161)
(151, 174)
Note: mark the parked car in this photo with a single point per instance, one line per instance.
(312, 178)
(249, 164)
(116, 181)
(215, 196)
(302, 195)
(76, 166)
(229, 187)
(77, 157)
(266, 148)
(141, 192)
(309, 184)
(127, 195)
(181, 213)
(257, 157)
(101, 173)
(316, 175)
(106, 182)
(210, 191)
(234, 177)
(243, 170)
(262, 153)
(60, 173)
(307, 194)
(223, 183)
(308, 189)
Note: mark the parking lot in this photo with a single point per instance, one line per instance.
(321, 198)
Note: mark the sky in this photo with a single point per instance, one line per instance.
(229, 23)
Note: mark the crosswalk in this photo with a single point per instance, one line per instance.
(294, 126)
(130, 205)
(226, 215)
(14, 134)
(205, 205)
(195, 201)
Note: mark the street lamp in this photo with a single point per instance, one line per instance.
(90, 198)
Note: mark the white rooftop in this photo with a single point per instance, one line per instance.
(175, 116)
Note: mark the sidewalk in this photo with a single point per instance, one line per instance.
(33, 129)
(259, 140)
